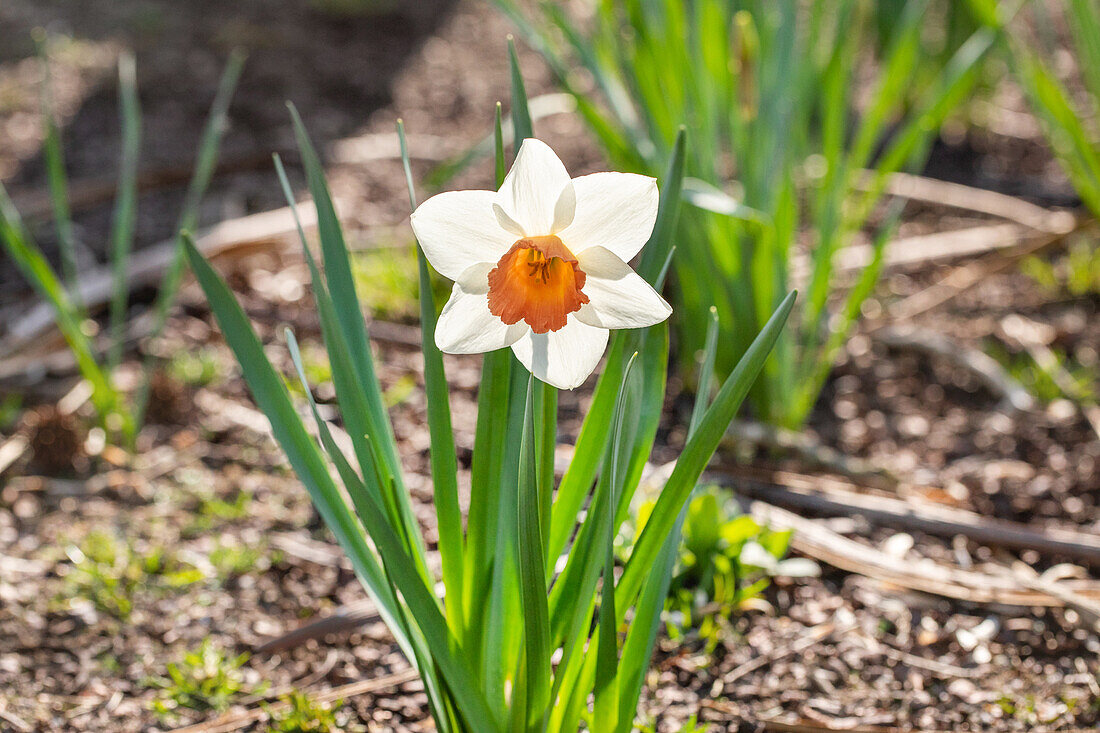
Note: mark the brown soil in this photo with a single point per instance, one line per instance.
(204, 479)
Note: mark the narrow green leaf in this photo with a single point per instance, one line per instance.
(531, 573)
(706, 373)
(349, 317)
(498, 148)
(607, 652)
(521, 114)
(653, 265)
(36, 269)
(695, 456)
(659, 247)
(125, 211)
(205, 165)
(58, 180)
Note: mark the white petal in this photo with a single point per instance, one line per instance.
(617, 296)
(532, 188)
(458, 229)
(562, 358)
(466, 326)
(565, 209)
(506, 222)
(614, 210)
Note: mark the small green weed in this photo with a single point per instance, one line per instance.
(1033, 712)
(303, 715)
(399, 391)
(1076, 274)
(387, 282)
(691, 726)
(206, 679)
(233, 560)
(111, 573)
(212, 511)
(726, 558)
(195, 368)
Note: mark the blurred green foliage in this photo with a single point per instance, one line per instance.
(195, 367)
(1065, 97)
(111, 573)
(213, 510)
(788, 156)
(387, 282)
(1076, 273)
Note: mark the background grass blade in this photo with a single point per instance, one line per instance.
(205, 164)
(36, 269)
(125, 211)
(57, 179)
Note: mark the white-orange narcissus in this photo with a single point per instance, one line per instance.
(540, 265)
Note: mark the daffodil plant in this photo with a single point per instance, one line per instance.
(538, 626)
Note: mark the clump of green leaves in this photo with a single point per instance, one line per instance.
(1069, 117)
(301, 714)
(111, 573)
(205, 679)
(726, 559)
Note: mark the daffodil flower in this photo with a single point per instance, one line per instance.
(540, 265)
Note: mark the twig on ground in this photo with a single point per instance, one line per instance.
(11, 449)
(942, 670)
(962, 278)
(812, 636)
(303, 548)
(969, 198)
(345, 618)
(89, 192)
(15, 721)
(256, 232)
(833, 498)
(1087, 609)
(803, 725)
(928, 576)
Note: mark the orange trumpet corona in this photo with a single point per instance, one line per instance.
(536, 281)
